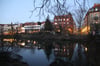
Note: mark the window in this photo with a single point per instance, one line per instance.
(61, 19)
(55, 23)
(67, 22)
(64, 19)
(58, 19)
(67, 19)
(64, 23)
(96, 9)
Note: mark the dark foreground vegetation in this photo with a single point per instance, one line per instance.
(42, 36)
(11, 59)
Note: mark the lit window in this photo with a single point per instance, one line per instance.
(67, 19)
(67, 22)
(55, 23)
(64, 19)
(96, 22)
(96, 9)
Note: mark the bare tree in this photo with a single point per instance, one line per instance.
(54, 7)
(60, 7)
(80, 12)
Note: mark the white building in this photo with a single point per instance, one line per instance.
(30, 28)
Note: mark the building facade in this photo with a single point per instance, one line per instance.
(92, 18)
(64, 24)
(29, 27)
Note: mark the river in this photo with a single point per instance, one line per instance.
(59, 53)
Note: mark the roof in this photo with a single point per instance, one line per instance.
(96, 5)
(91, 10)
(68, 15)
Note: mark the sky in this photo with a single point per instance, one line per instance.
(19, 11)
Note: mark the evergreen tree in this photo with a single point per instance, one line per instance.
(48, 25)
(39, 23)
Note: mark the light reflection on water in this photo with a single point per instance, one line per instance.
(38, 57)
(45, 54)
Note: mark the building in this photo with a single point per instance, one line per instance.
(64, 23)
(29, 27)
(92, 18)
(8, 29)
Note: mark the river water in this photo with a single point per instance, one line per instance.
(59, 53)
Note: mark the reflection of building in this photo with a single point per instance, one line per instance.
(64, 50)
(64, 22)
(92, 17)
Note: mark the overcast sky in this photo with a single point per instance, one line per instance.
(18, 11)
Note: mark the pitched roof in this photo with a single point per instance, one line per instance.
(96, 5)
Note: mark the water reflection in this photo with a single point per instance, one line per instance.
(49, 53)
(79, 57)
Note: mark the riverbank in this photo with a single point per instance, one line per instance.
(54, 37)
